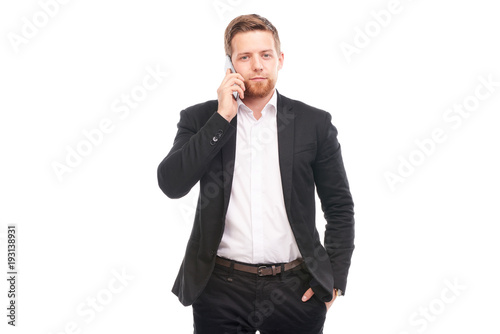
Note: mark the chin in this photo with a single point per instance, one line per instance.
(259, 89)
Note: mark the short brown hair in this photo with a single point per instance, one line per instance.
(246, 23)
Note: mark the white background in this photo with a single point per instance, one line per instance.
(108, 214)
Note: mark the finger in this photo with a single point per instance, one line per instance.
(227, 76)
(234, 80)
(238, 82)
(236, 88)
(230, 74)
(237, 85)
(307, 295)
(240, 91)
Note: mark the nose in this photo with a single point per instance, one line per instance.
(257, 65)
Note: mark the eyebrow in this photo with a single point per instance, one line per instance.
(246, 53)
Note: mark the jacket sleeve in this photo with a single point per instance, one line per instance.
(336, 202)
(195, 145)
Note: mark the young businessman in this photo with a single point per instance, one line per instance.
(254, 260)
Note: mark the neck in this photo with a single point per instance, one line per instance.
(256, 104)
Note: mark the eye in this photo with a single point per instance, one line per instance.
(267, 55)
(244, 58)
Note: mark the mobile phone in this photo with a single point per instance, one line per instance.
(229, 64)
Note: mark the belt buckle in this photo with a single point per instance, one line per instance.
(259, 270)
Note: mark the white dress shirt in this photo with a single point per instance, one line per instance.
(257, 229)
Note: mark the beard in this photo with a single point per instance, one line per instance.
(259, 89)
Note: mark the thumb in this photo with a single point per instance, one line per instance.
(307, 295)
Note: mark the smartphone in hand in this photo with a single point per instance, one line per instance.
(229, 64)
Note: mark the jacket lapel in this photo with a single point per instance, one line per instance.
(228, 160)
(286, 125)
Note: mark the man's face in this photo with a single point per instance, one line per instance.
(255, 58)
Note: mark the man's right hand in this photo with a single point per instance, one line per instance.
(233, 82)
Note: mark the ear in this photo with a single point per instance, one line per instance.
(281, 58)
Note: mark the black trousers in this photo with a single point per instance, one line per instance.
(236, 302)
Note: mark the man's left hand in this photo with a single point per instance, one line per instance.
(309, 293)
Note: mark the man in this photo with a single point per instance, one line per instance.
(254, 260)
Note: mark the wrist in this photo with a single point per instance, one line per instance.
(226, 116)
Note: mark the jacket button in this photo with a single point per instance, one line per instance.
(215, 138)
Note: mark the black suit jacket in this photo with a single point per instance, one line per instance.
(309, 158)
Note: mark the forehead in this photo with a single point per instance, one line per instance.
(252, 41)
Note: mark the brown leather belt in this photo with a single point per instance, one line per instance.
(264, 270)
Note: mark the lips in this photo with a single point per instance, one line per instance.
(257, 79)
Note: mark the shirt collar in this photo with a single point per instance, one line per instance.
(272, 102)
